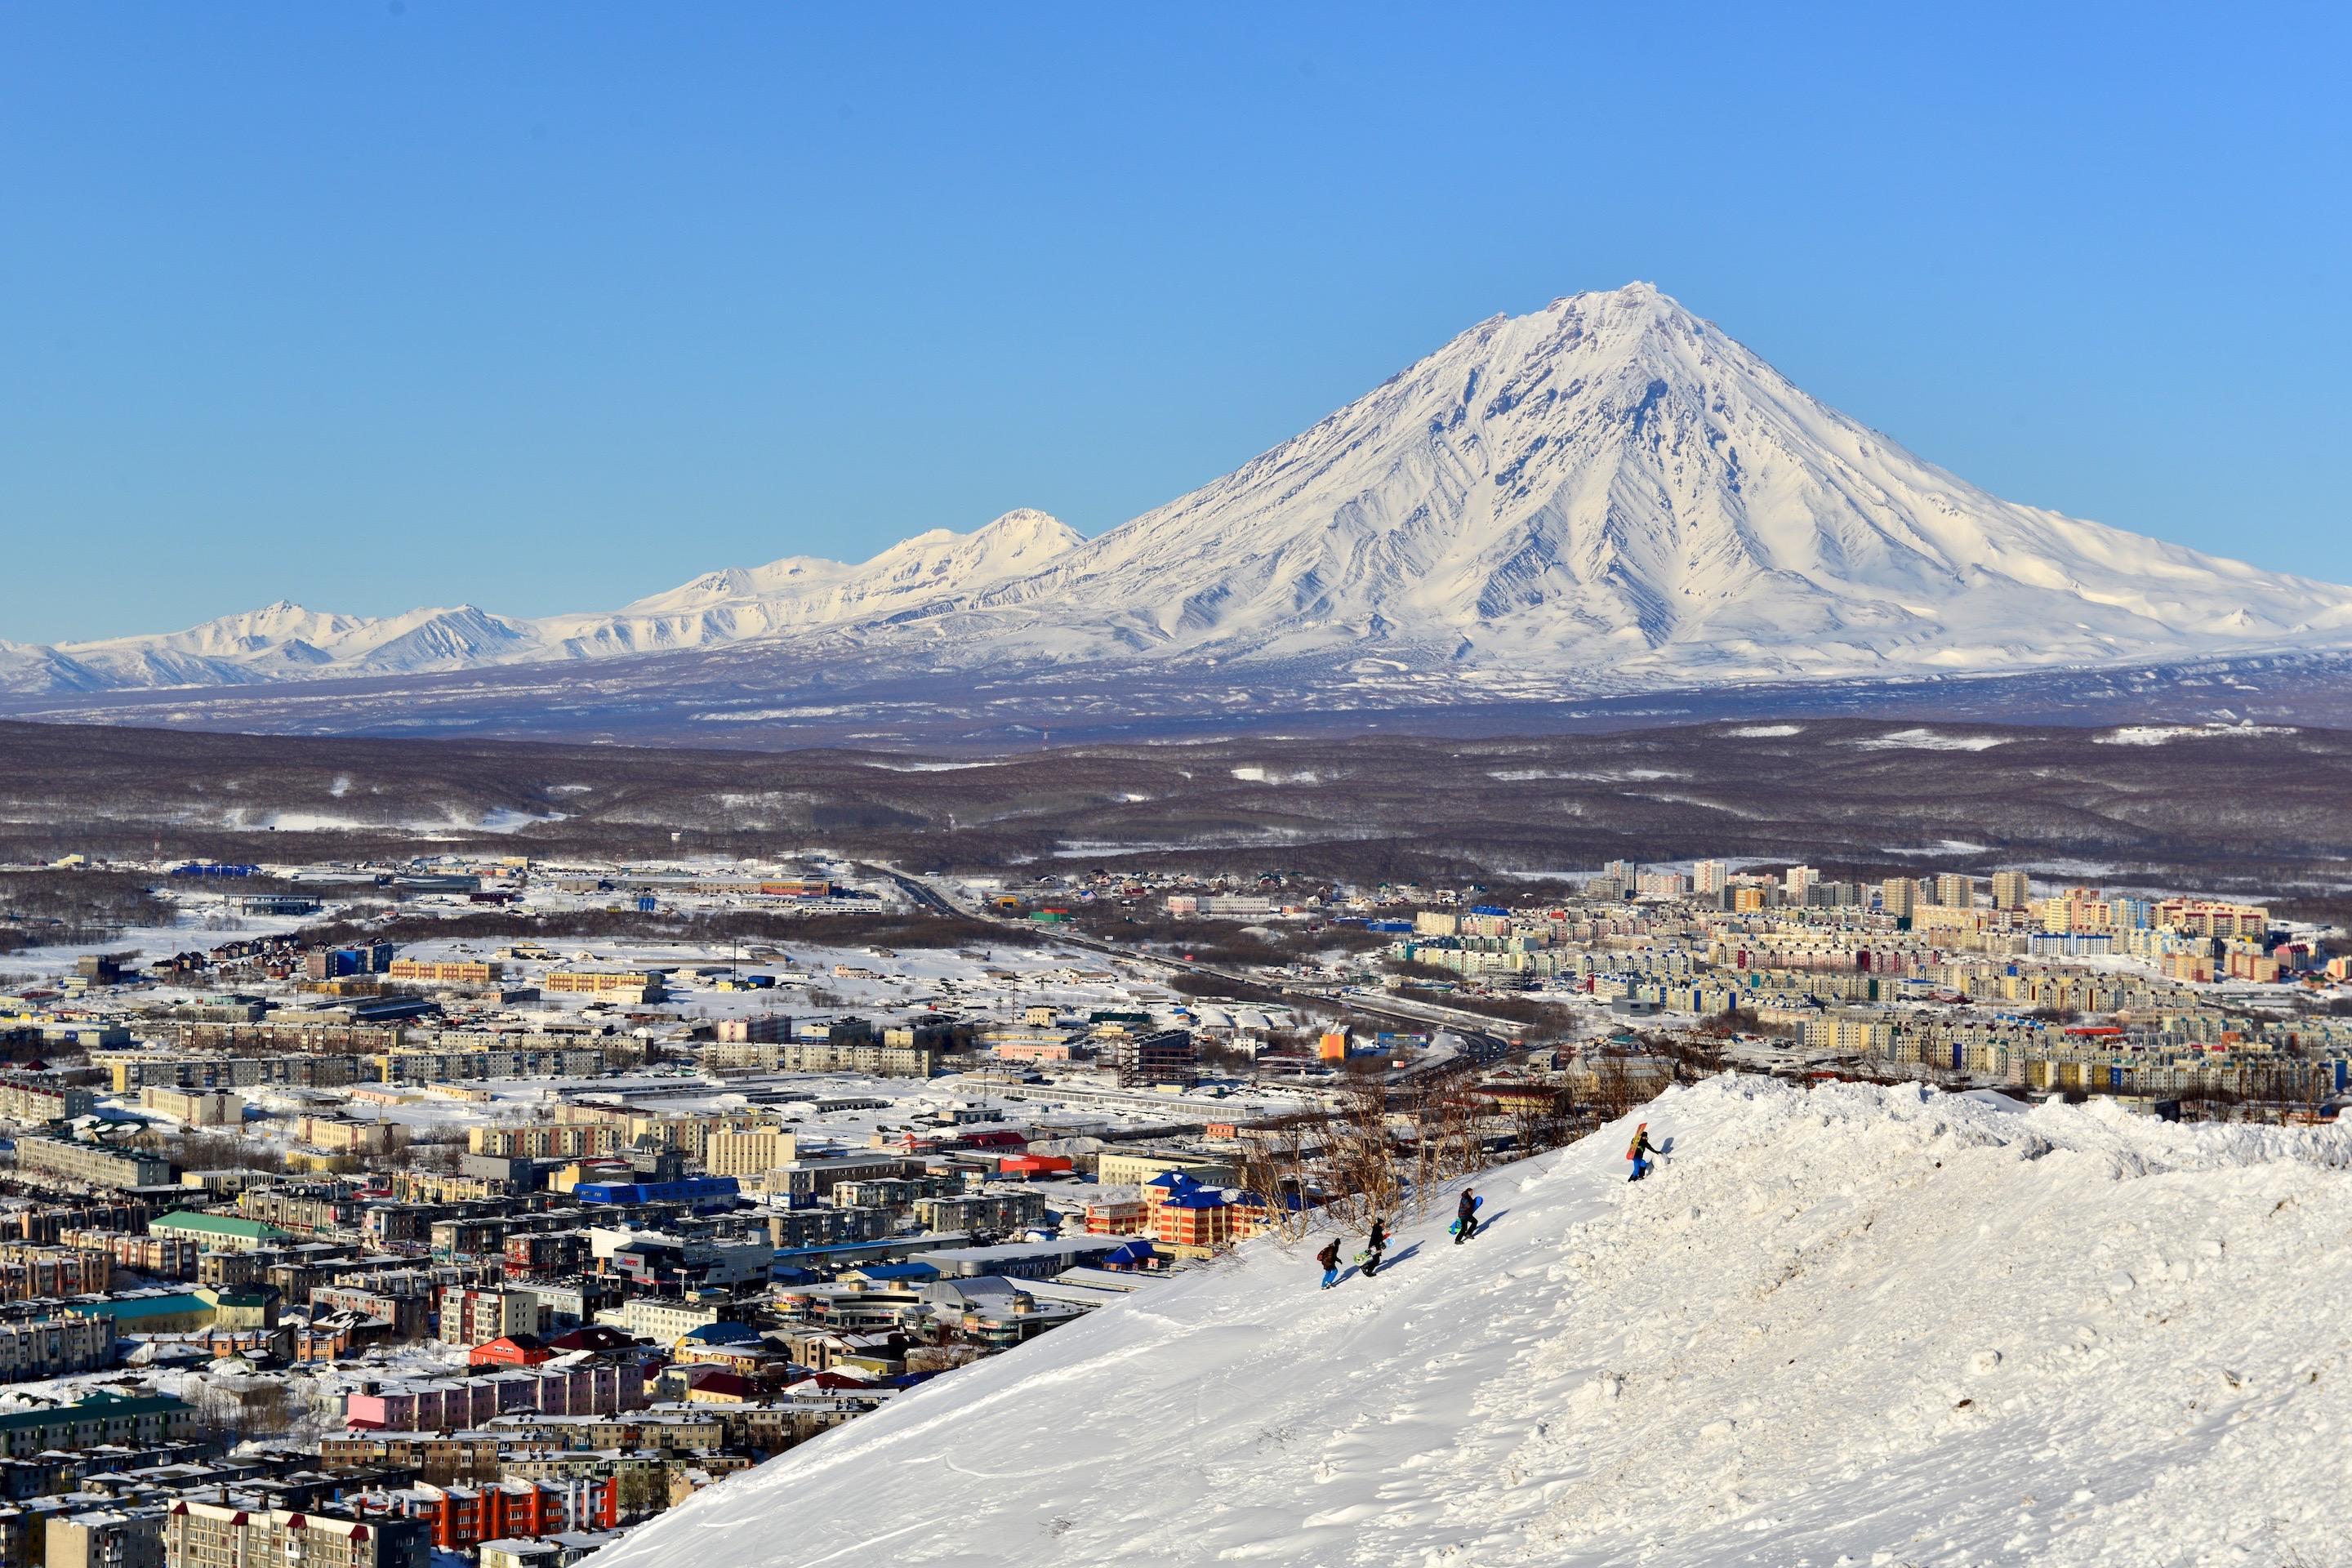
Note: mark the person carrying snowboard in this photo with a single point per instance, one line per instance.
(1640, 1151)
(1466, 1218)
(1376, 1244)
(1329, 1259)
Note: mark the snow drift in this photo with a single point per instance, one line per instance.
(1850, 1325)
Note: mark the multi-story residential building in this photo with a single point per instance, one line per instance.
(1132, 1167)
(158, 1257)
(299, 1067)
(1898, 897)
(93, 1164)
(2011, 890)
(641, 986)
(1956, 891)
(420, 1066)
(35, 1102)
(664, 1322)
(194, 1106)
(119, 1537)
(224, 1535)
(34, 1273)
(870, 1057)
(472, 1315)
(548, 1140)
(441, 1458)
(750, 1152)
(467, 1518)
(53, 1347)
(597, 1388)
(1849, 1032)
(1709, 877)
(343, 1135)
(2208, 918)
(1165, 1056)
(99, 1417)
(447, 972)
(218, 1232)
(764, 1028)
(996, 1211)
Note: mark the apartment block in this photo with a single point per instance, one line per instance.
(34, 1273)
(53, 1347)
(750, 1152)
(474, 1315)
(1166, 1056)
(158, 1257)
(93, 1164)
(32, 1102)
(430, 1405)
(460, 972)
(626, 986)
(194, 1106)
(101, 1417)
(221, 1535)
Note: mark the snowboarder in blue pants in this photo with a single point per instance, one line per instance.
(1640, 1152)
(1329, 1259)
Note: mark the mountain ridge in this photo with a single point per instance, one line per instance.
(1608, 493)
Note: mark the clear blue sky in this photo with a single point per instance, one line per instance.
(545, 306)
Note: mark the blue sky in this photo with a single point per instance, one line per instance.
(545, 306)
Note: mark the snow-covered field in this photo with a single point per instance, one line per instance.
(1854, 1325)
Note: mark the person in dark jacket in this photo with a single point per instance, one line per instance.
(1376, 1244)
(1329, 1259)
(1466, 1218)
(1640, 1152)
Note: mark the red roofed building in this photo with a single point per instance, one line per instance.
(513, 1350)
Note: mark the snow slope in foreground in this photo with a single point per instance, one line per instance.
(1851, 1325)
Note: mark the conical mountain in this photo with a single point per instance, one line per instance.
(1613, 484)
(1607, 493)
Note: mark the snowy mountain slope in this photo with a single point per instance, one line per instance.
(1606, 494)
(1854, 1325)
(930, 574)
(284, 641)
(1611, 483)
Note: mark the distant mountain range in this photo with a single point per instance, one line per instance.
(1608, 495)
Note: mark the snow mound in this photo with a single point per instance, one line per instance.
(2158, 734)
(1922, 739)
(1844, 1325)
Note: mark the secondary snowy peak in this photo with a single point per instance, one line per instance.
(1851, 1325)
(1613, 484)
(927, 575)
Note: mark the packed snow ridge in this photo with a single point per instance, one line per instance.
(1843, 1326)
(1609, 491)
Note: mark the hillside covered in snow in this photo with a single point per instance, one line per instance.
(1853, 1325)
(1605, 494)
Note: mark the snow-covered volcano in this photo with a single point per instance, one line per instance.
(1607, 493)
(1612, 485)
(1850, 1326)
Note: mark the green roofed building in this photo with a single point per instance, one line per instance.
(172, 1313)
(132, 1420)
(219, 1232)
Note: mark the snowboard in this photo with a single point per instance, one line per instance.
(1476, 1205)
